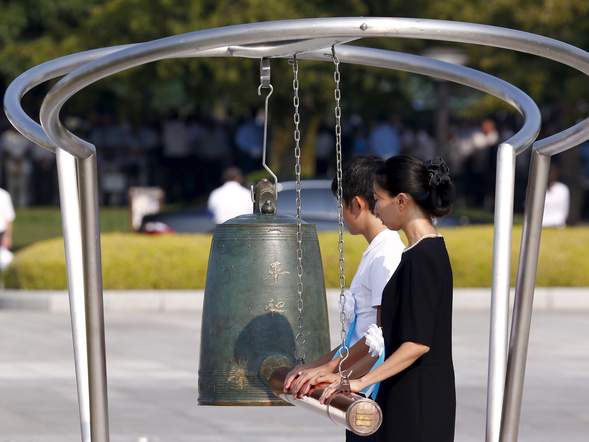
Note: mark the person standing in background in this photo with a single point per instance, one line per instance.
(557, 202)
(249, 140)
(17, 166)
(231, 199)
(324, 143)
(480, 165)
(6, 221)
(384, 140)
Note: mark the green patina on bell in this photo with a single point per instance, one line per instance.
(250, 314)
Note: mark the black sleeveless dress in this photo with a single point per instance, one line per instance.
(419, 403)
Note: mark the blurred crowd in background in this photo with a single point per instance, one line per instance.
(178, 124)
(186, 156)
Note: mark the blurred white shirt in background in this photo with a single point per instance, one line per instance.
(556, 206)
(230, 200)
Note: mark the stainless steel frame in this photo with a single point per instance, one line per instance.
(67, 172)
(309, 38)
(526, 279)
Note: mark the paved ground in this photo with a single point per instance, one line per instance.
(152, 362)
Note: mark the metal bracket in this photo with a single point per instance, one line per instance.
(265, 73)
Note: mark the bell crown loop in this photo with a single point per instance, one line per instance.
(264, 197)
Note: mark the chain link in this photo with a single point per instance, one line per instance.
(344, 351)
(300, 336)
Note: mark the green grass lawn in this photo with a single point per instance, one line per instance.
(40, 223)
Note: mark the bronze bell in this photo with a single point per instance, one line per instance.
(250, 312)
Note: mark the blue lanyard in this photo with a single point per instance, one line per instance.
(372, 390)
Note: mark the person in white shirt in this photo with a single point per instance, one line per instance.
(17, 165)
(557, 202)
(379, 262)
(231, 199)
(6, 219)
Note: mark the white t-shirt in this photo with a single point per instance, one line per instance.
(556, 206)
(230, 200)
(6, 210)
(379, 262)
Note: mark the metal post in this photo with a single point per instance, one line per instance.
(94, 303)
(72, 234)
(524, 296)
(505, 179)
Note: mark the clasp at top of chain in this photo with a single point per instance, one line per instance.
(265, 84)
(264, 75)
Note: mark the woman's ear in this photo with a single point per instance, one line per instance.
(403, 200)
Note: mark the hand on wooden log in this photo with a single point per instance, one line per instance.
(355, 412)
(308, 380)
(341, 386)
(300, 380)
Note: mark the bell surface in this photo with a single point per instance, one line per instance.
(250, 312)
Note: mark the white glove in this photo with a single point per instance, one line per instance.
(374, 340)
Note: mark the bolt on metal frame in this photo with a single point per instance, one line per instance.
(300, 36)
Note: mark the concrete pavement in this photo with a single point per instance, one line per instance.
(152, 366)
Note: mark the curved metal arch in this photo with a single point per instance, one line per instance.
(408, 28)
(36, 76)
(358, 28)
(69, 204)
(373, 57)
(287, 30)
(417, 64)
(62, 66)
(356, 55)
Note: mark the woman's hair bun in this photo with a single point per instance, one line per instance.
(438, 172)
(441, 189)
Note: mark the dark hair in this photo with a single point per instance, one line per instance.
(429, 182)
(358, 179)
(232, 174)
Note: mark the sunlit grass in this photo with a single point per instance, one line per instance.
(133, 261)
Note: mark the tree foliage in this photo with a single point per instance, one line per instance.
(33, 31)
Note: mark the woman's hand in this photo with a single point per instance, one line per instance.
(292, 375)
(304, 379)
(356, 386)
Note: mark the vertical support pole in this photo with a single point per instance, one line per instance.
(524, 296)
(72, 234)
(87, 173)
(505, 180)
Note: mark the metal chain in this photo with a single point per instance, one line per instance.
(300, 337)
(344, 351)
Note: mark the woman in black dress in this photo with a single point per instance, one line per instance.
(417, 392)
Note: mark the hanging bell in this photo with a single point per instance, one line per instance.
(251, 306)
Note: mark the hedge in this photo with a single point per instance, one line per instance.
(133, 261)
